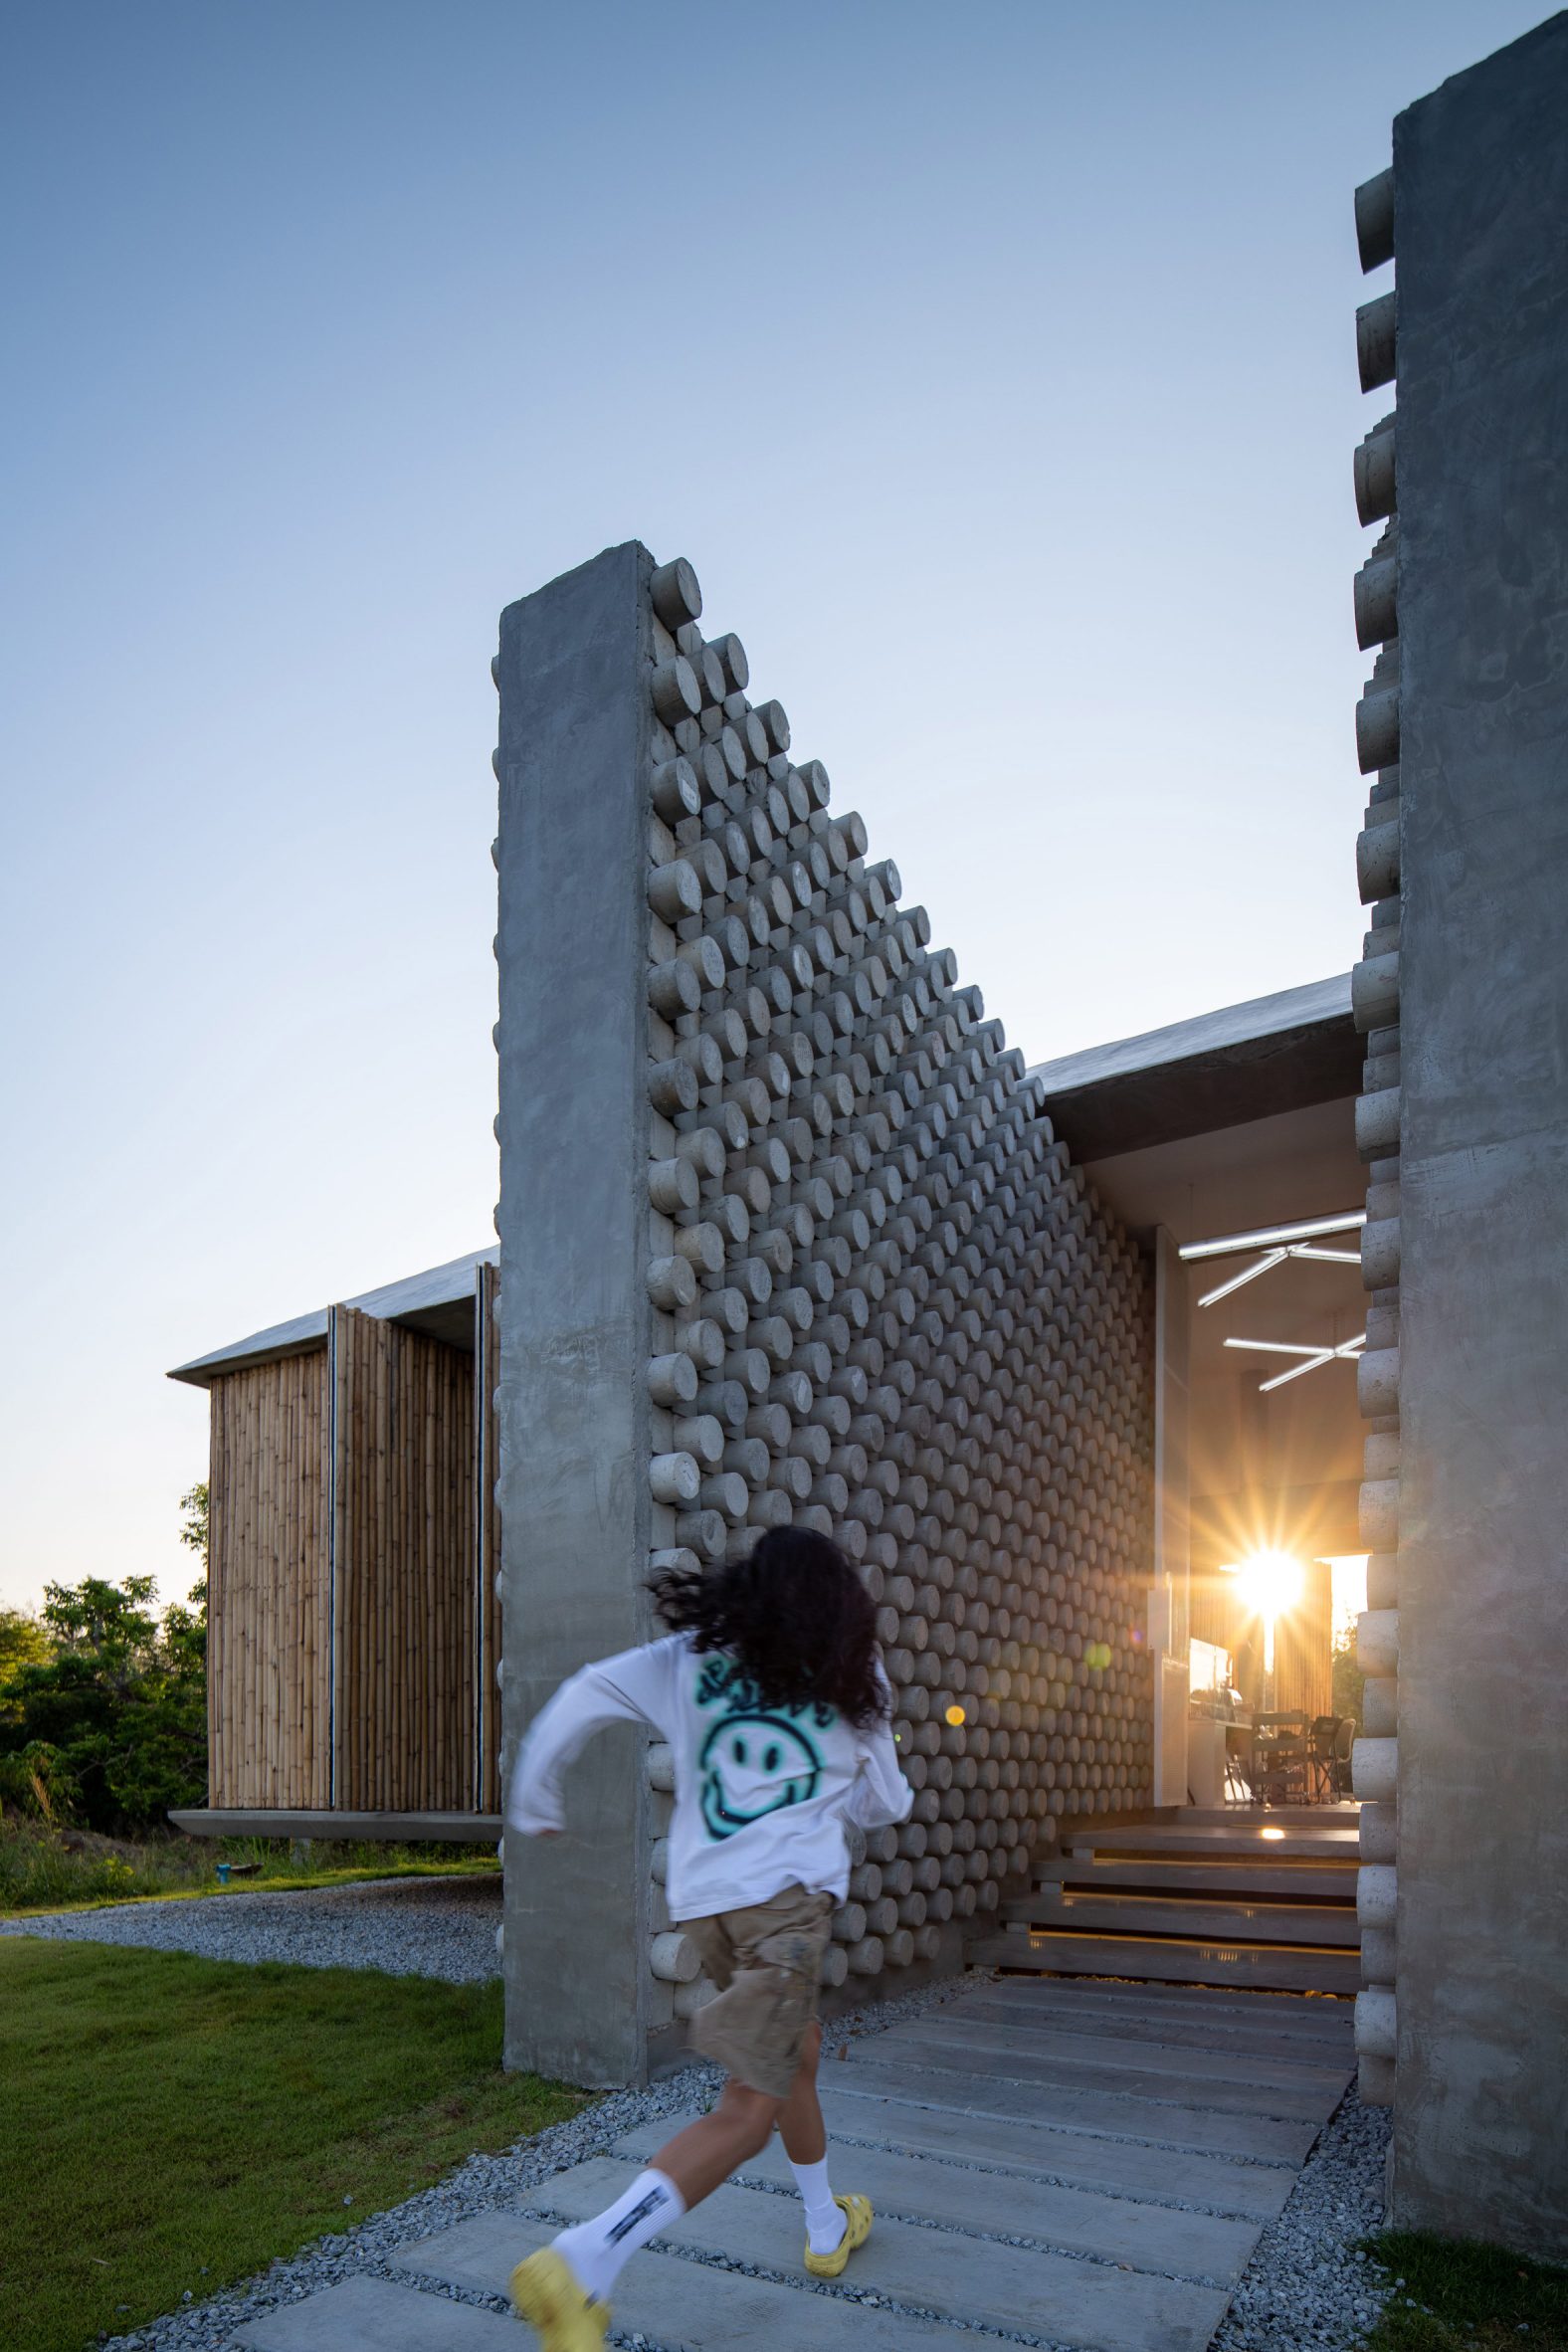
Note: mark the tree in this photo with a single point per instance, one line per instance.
(193, 1527)
(23, 1642)
(103, 1710)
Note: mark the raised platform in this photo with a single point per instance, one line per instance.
(398, 1829)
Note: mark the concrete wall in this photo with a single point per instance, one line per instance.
(785, 1235)
(1473, 1607)
(573, 1408)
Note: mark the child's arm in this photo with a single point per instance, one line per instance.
(630, 1688)
(881, 1795)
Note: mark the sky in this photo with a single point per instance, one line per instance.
(994, 367)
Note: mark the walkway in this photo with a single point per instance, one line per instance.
(1084, 2163)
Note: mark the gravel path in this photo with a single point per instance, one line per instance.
(1305, 2286)
(1306, 2283)
(442, 1927)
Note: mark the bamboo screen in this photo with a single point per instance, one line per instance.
(404, 1564)
(269, 1605)
(487, 1358)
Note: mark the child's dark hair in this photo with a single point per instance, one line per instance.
(795, 1616)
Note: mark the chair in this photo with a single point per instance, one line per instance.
(1344, 1741)
(1321, 1756)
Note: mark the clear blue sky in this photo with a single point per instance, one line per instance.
(994, 366)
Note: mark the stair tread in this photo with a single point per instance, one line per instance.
(1127, 1913)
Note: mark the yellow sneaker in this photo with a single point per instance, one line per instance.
(857, 2229)
(545, 2292)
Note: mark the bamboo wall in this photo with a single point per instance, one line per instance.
(404, 1571)
(487, 1447)
(269, 1607)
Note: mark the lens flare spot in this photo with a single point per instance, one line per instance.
(955, 1716)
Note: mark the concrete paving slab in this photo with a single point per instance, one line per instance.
(1129, 2169)
(1190, 2077)
(1262, 2139)
(373, 2315)
(965, 2278)
(1234, 2042)
(689, 2306)
(952, 2196)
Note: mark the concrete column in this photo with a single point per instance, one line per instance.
(1480, 196)
(572, 949)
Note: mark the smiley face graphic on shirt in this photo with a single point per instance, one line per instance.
(752, 1764)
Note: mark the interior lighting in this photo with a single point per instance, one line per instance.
(1281, 1257)
(1270, 1585)
(1268, 1237)
(1313, 1357)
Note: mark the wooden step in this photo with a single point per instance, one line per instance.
(1285, 1968)
(1206, 1874)
(1264, 1844)
(1156, 1915)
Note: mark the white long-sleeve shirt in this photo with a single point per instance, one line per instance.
(763, 1795)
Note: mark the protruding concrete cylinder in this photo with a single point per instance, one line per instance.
(1374, 991)
(1377, 1641)
(1376, 611)
(1375, 220)
(1377, 1123)
(676, 597)
(1377, 862)
(1377, 1386)
(1376, 487)
(1380, 1254)
(675, 1958)
(1374, 1770)
(1377, 1892)
(1379, 1832)
(1377, 729)
(1379, 1513)
(1375, 325)
(1377, 2023)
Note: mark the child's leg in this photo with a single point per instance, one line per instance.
(801, 2127)
(700, 2158)
(805, 2139)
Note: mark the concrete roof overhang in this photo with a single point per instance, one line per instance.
(1247, 1061)
(439, 1302)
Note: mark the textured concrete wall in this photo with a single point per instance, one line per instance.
(1466, 1124)
(573, 1412)
(831, 1245)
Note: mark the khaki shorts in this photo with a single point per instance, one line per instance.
(765, 1961)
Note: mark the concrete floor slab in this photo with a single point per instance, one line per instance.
(1128, 2168)
(687, 2306)
(1009, 2287)
(374, 2315)
(1076, 2061)
(1234, 2042)
(956, 2197)
(1260, 2138)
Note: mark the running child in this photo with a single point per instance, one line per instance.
(771, 1695)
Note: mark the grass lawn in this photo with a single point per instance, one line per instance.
(173, 2123)
(1452, 2295)
(47, 1870)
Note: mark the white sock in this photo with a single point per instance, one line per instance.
(596, 2249)
(826, 2221)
